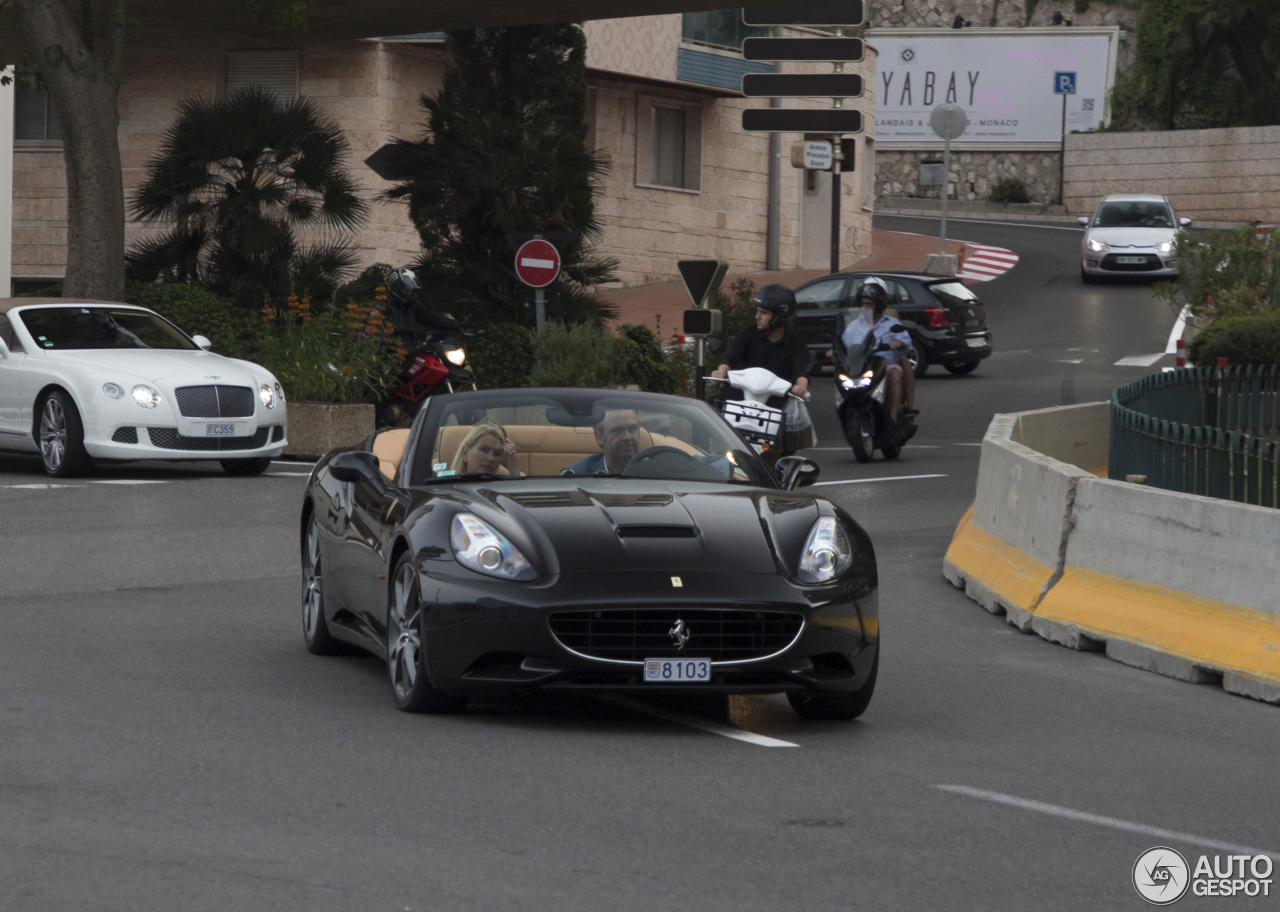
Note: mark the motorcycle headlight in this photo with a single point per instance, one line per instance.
(456, 356)
(850, 383)
(1096, 245)
(827, 552)
(146, 397)
(480, 547)
(268, 396)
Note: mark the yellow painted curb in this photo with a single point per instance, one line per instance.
(1218, 635)
(1011, 575)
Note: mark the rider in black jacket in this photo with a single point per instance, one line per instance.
(409, 317)
(770, 343)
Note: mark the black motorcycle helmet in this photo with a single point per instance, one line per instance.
(779, 300)
(873, 292)
(402, 284)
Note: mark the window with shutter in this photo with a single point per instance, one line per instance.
(276, 70)
(34, 119)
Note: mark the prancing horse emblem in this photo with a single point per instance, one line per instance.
(679, 633)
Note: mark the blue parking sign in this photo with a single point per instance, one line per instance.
(1064, 83)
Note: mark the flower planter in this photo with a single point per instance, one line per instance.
(315, 428)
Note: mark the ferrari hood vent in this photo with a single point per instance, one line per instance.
(651, 531)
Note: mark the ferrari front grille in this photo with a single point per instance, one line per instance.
(214, 401)
(718, 634)
(170, 439)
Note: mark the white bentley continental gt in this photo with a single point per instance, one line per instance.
(84, 380)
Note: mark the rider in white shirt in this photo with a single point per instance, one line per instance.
(873, 299)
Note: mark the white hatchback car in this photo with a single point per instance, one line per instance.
(83, 380)
(1130, 234)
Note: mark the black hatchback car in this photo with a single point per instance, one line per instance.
(946, 320)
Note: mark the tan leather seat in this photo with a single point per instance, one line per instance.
(546, 449)
(389, 446)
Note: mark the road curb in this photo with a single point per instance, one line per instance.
(1089, 593)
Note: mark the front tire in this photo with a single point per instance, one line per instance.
(861, 437)
(406, 652)
(1086, 278)
(922, 358)
(61, 437)
(315, 628)
(839, 707)
(960, 368)
(245, 466)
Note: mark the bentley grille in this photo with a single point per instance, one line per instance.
(722, 635)
(214, 401)
(170, 439)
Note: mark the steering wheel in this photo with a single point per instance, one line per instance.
(654, 452)
(670, 461)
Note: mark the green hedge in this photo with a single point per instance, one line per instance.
(233, 331)
(503, 357)
(1241, 340)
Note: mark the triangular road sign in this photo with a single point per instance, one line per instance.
(702, 278)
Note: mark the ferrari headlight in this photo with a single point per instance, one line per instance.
(480, 547)
(113, 390)
(456, 356)
(268, 396)
(827, 552)
(146, 397)
(1096, 245)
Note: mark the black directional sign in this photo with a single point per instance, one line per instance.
(392, 162)
(829, 49)
(702, 278)
(802, 120)
(805, 12)
(802, 85)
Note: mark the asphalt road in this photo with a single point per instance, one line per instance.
(166, 743)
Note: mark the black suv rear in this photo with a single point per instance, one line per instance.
(947, 321)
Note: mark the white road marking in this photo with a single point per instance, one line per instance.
(1071, 360)
(714, 728)
(290, 474)
(1179, 327)
(1139, 360)
(40, 487)
(1114, 823)
(129, 481)
(819, 484)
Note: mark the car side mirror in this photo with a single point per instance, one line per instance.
(356, 467)
(1184, 222)
(797, 472)
(203, 342)
(1083, 221)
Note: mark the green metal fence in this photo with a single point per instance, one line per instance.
(1201, 430)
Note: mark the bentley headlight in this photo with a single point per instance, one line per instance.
(482, 548)
(113, 390)
(279, 391)
(268, 396)
(146, 397)
(827, 552)
(456, 356)
(1096, 245)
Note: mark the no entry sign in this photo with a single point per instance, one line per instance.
(537, 263)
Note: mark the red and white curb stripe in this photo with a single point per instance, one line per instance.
(981, 263)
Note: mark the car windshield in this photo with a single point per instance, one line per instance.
(73, 327)
(1133, 214)
(580, 432)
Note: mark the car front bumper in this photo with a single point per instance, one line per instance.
(1117, 263)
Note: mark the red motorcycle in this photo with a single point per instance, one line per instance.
(435, 364)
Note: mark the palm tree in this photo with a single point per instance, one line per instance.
(258, 196)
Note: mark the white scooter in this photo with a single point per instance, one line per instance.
(759, 424)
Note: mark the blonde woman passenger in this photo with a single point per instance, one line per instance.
(484, 449)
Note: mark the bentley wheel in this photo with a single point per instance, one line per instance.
(406, 656)
(960, 368)
(61, 437)
(245, 466)
(837, 707)
(315, 628)
(861, 437)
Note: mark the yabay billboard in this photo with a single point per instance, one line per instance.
(1003, 78)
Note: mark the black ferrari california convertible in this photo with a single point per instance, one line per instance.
(594, 540)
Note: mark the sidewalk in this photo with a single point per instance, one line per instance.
(667, 301)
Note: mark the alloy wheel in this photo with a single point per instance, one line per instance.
(53, 435)
(403, 637)
(312, 592)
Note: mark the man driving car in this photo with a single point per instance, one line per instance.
(618, 435)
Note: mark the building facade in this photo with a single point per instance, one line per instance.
(684, 181)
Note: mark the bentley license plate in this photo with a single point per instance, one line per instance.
(220, 430)
(1130, 261)
(676, 671)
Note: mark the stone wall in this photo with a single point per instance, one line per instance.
(1227, 175)
(972, 174)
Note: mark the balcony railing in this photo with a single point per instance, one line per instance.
(1210, 431)
(719, 29)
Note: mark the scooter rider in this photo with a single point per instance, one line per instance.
(409, 317)
(770, 343)
(873, 299)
